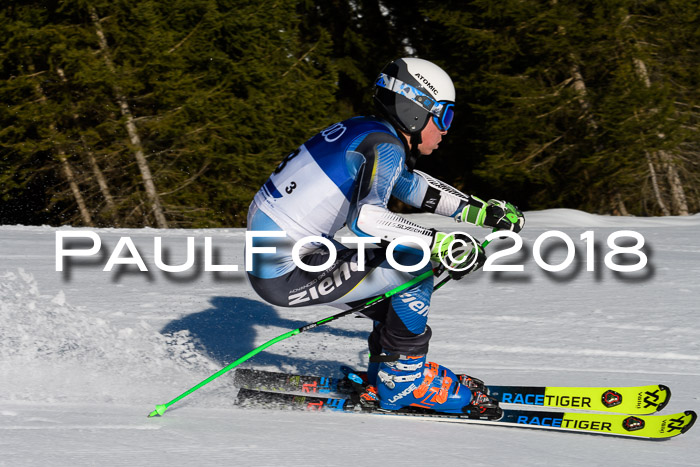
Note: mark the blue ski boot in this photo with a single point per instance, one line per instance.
(410, 381)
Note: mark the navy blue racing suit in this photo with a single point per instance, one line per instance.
(345, 176)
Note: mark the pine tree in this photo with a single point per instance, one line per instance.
(591, 105)
(221, 92)
(561, 110)
(36, 157)
(216, 93)
(365, 35)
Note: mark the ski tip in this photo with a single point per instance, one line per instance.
(693, 416)
(662, 405)
(160, 410)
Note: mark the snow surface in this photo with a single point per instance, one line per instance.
(85, 354)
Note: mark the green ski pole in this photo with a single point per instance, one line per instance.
(161, 408)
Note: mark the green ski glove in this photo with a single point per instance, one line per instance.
(458, 251)
(496, 214)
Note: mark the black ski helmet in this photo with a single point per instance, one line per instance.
(409, 91)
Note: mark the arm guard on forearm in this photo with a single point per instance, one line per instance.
(376, 221)
(446, 200)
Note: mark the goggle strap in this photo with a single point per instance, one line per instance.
(410, 92)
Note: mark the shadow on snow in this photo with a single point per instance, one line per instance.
(226, 331)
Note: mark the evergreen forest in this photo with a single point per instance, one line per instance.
(172, 113)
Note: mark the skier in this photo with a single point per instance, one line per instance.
(345, 175)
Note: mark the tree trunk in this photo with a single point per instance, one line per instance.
(582, 91)
(579, 83)
(678, 199)
(655, 185)
(99, 176)
(680, 204)
(66, 168)
(142, 163)
(618, 206)
(75, 189)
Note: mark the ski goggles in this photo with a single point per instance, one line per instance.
(441, 111)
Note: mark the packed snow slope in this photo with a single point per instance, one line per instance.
(86, 354)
